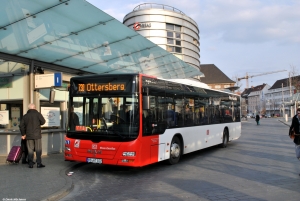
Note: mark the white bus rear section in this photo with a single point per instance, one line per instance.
(197, 137)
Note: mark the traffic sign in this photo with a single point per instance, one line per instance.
(48, 80)
(57, 79)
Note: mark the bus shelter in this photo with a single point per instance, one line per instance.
(71, 37)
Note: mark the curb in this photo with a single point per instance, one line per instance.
(69, 183)
(284, 122)
(63, 192)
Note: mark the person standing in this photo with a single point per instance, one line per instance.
(24, 150)
(31, 131)
(257, 119)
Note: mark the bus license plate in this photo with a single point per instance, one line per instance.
(94, 160)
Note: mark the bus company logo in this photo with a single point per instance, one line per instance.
(94, 146)
(77, 143)
(67, 141)
(138, 25)
(108, 148)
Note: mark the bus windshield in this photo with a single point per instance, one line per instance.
(103, 115)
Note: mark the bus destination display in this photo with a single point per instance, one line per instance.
(99, 87)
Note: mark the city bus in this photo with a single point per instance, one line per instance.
(136, 120)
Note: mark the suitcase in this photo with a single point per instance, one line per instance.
(14, 155)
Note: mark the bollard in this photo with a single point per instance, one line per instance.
(286, 117)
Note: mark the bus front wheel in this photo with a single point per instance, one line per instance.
(175, 151)
(225, 138)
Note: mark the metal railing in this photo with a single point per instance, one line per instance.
(155, 5)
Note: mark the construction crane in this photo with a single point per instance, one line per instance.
(250, 76)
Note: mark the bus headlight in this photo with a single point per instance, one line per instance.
(128, 153)
(67, 149)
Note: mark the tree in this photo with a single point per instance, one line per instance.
(294, 78)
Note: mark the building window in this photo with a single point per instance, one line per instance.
(170, 34)
(170, 41)
(226, 86)
(173, 49)
(174, 38)
(217, 86)
(170, 48)
(178, 49)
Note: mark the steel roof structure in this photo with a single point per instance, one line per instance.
(76, 35)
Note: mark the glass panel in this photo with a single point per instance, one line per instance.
(107, 116)
(178, 35)
(189, 112)
(170, 48)
(170, 26)
(170, 34)
(178, 49)
(178, 42)
(12, 67)
(170, 41)
(177, 28)
(61, 33)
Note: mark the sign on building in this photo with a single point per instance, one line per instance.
(4, 117)
(48, 80)
(51, 115)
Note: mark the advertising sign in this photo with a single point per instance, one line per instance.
(51, 115)
(15, 117)
(48, 80)
(44, 81)
(4, 117)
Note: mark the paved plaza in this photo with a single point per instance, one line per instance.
(261, 165)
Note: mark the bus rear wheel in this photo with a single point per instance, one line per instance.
(225, 138)
(175, 151)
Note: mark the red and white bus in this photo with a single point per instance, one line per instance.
(135, 119)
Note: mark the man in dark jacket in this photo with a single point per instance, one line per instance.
(257, 119)
(31, 131)
(295, 126)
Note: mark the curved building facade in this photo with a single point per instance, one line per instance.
(169, 28)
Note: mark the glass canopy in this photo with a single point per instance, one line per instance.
(77, 35)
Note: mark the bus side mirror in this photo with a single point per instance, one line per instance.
(146, 102)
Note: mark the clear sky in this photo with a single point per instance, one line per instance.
(238, 36)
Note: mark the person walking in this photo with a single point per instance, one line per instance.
(295, 127)
(257, 118)
(30, 127)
